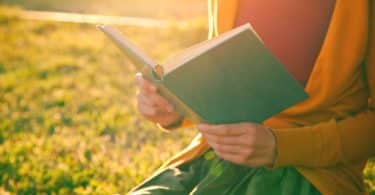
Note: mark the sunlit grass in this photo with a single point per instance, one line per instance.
(174, 9)
(67, 117)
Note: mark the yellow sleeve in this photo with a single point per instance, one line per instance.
(328, 143)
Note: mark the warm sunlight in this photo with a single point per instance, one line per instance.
(281, 106)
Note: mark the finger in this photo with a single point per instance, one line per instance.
(144, 84)
(146, 110)
(149, 87)
(233, 149)
(142, 99)
(154, 99)
(151, 105)
(223, 139)
(149, 92)
(160, 102)
(225, 148)
(235, 158)
(242, 140)
(229, 130)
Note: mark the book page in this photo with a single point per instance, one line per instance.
(195, 50)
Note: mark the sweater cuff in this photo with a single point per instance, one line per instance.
(309, 146)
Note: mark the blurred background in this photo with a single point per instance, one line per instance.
(68, 123)
(175, 9)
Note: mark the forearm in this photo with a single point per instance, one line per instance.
(327, 143)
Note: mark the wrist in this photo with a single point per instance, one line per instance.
(274, 148)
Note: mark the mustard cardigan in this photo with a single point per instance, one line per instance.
(329, 136)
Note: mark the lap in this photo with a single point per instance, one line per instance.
(212, 175)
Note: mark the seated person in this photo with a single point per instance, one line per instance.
(319, 146)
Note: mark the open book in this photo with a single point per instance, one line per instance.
(228, 79)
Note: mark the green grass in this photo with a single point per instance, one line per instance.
(67, 117)
(68, 123)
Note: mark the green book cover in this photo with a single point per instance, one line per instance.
(232, 78)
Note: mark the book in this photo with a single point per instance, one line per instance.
(228, 79)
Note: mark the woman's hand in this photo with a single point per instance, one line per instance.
(153, 106)
(242, 143)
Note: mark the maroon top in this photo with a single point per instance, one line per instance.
(293, 30)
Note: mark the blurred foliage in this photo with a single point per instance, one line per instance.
(68, 124)
(176, 9)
